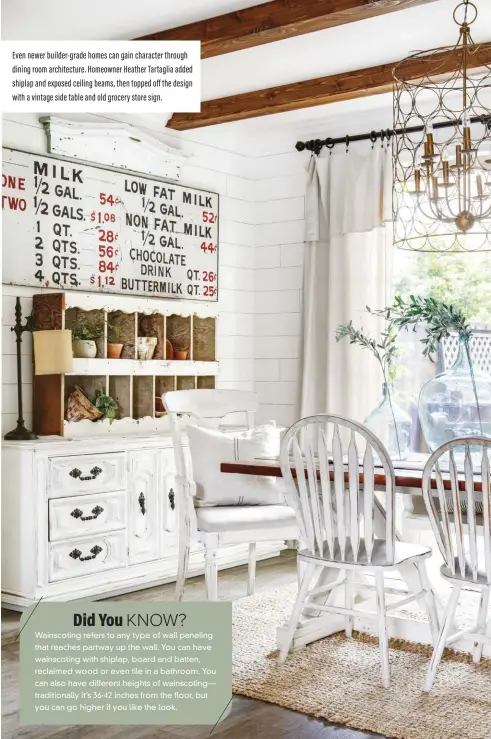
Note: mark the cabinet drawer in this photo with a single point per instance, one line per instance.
(85, 556)
(82, 515)
(87, 473)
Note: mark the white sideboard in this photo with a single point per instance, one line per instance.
(89, 518)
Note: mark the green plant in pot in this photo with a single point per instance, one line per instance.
(391, 424)
(114, 347)
(105, 404)
(85, 333)
(457, 402)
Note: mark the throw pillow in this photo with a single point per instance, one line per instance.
(209, 448)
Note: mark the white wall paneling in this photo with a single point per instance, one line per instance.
(277, 347)
(277, 324)
(277, 301)
(280, 212)
(279, 278)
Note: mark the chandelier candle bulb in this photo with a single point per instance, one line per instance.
(429, 146)
(467, 139)
(446, 172)
(458, 156)
(435, 188)
(480, 191)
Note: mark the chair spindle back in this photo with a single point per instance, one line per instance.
(331, 484)
(457, 538)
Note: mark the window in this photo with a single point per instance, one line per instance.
(462, 279)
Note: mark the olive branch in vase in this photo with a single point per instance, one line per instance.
(384, 350)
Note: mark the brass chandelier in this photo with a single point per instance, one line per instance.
(442, 150)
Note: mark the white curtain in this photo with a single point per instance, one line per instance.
(347, 267)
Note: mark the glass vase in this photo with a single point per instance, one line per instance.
(391, 424)
(456, 402)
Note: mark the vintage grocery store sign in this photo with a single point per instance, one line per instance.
(80, 227)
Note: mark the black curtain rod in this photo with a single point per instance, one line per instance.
(316, 145)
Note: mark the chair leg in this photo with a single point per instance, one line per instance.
(211, 573)
(251, 570)
(481, 624)
(349, 601)
(300, 571)
(442, 638)
(429, 598)
(182, 567)
(383, 637)
(297, 609)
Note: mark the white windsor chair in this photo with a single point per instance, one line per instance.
(335, 502)
(218, 525)
(457, 536)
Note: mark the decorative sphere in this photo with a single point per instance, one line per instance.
(464, 221)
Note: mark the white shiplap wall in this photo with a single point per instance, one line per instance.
(279, 236)
(211, 167)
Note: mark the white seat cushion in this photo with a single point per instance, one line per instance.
(245, 518)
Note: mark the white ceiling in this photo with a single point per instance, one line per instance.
(105, 19)
(363, 44)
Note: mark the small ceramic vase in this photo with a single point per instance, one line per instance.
(145, 347)
(83, 349)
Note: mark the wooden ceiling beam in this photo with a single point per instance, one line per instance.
(274, 21)
(320, 91)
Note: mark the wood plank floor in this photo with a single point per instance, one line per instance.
(248, 719)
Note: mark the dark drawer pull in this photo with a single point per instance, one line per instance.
(172, 499)
(77, 513)
(77, 554)
(94, 472)
(141, 501)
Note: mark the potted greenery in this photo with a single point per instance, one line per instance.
(84, 336)
(388, 422)
(105, 404)
(114, 348)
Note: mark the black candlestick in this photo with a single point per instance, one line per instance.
(20, 433)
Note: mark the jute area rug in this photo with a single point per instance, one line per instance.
(338, 679)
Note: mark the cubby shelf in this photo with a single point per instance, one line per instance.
(137, 367)
(137, 385)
